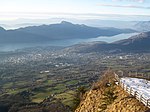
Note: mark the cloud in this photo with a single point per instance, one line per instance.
(125, 6)
(140, 1)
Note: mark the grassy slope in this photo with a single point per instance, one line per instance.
(109, 99)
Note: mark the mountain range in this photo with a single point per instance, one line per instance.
(120, 24)
(137, 43)
(67, 30)
(61, 31)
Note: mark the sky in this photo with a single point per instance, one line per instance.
(95, 9)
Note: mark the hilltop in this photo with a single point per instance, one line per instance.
(109, 98)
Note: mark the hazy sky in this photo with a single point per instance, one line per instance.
(14, 9)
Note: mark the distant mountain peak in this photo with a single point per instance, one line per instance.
(142, 26)
(2, 29)
(66, 22)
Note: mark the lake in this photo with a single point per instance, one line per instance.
(12, 47)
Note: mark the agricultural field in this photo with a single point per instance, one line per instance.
(58, 75)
